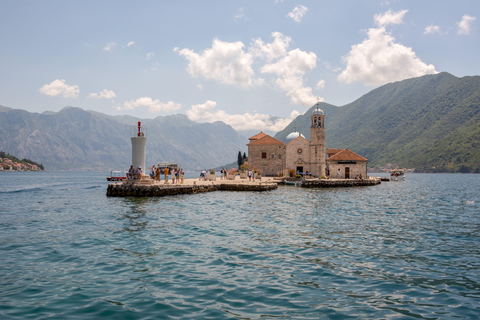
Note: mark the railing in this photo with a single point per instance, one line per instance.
(138, 131)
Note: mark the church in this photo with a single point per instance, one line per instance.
(273, 156)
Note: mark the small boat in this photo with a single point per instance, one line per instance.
(116, 176)
(397, 175)
(292, 183)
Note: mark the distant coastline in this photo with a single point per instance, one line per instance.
(12, 163)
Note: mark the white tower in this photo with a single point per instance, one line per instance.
(139, 139)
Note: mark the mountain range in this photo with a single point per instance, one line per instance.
(77, 139)
(430, 123)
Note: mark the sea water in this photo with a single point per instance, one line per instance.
(399, 250)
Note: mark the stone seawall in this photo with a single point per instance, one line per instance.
(132, 190)
(248, 187)
(139, 190)
(342, 183)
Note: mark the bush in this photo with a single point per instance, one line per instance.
(298, 176)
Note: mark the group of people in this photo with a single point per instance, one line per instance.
(251, 175)
(203, 174)
(175, 173)
(155, 172)
(134, 173)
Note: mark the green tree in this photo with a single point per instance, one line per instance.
(240, 159)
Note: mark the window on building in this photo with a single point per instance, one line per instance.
(272, 156)
(264, 155)
(280, 156)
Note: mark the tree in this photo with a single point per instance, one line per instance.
(240, 159)
(244, 157)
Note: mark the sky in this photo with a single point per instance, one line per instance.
(252, 64)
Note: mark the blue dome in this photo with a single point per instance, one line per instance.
(294, 135)
(317, 112)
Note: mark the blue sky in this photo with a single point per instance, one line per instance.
(235, 61)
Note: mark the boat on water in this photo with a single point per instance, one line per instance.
(117, 176)
(292, 183)
(397, 175)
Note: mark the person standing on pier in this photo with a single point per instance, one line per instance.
(165, 171)
(131, 172)
(152, 172)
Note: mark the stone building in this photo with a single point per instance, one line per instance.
(348, 162)
(266, 153)
(272, 156)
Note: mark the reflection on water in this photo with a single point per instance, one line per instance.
(398, 250)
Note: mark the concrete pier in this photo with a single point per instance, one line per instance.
(153, 188)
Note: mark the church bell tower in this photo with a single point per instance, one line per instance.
(317, 142)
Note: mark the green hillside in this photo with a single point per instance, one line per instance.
(431, 123)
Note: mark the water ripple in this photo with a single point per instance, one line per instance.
(397, 251)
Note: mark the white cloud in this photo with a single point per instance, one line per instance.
(330, 67)
(230, 63)
(290, 71)
(298, 13)
(226, 62)
(152, 105)
(379, 60)
(150, 55)
(104, 94)
(389, 17)
(131, 43)
(320, 85)
(240, 14)
(59, 88)
(205, 113)
(278, 47)
(432, 29)
(110, 46)
(464, 25)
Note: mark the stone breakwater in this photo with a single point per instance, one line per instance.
(342, 183)
(150, 188)
(161, 190)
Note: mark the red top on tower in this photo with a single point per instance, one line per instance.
(138, 131)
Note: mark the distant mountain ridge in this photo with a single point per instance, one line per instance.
(431, 123)
(77, 139)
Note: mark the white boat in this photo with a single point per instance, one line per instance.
(397, 175)
(116, 176)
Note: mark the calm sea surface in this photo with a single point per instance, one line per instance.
(400, 250)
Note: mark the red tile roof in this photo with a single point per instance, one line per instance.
(266, 140)
(257, 136)
(333, 151)
(346, 155)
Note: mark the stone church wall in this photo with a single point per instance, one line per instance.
(294, 158)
